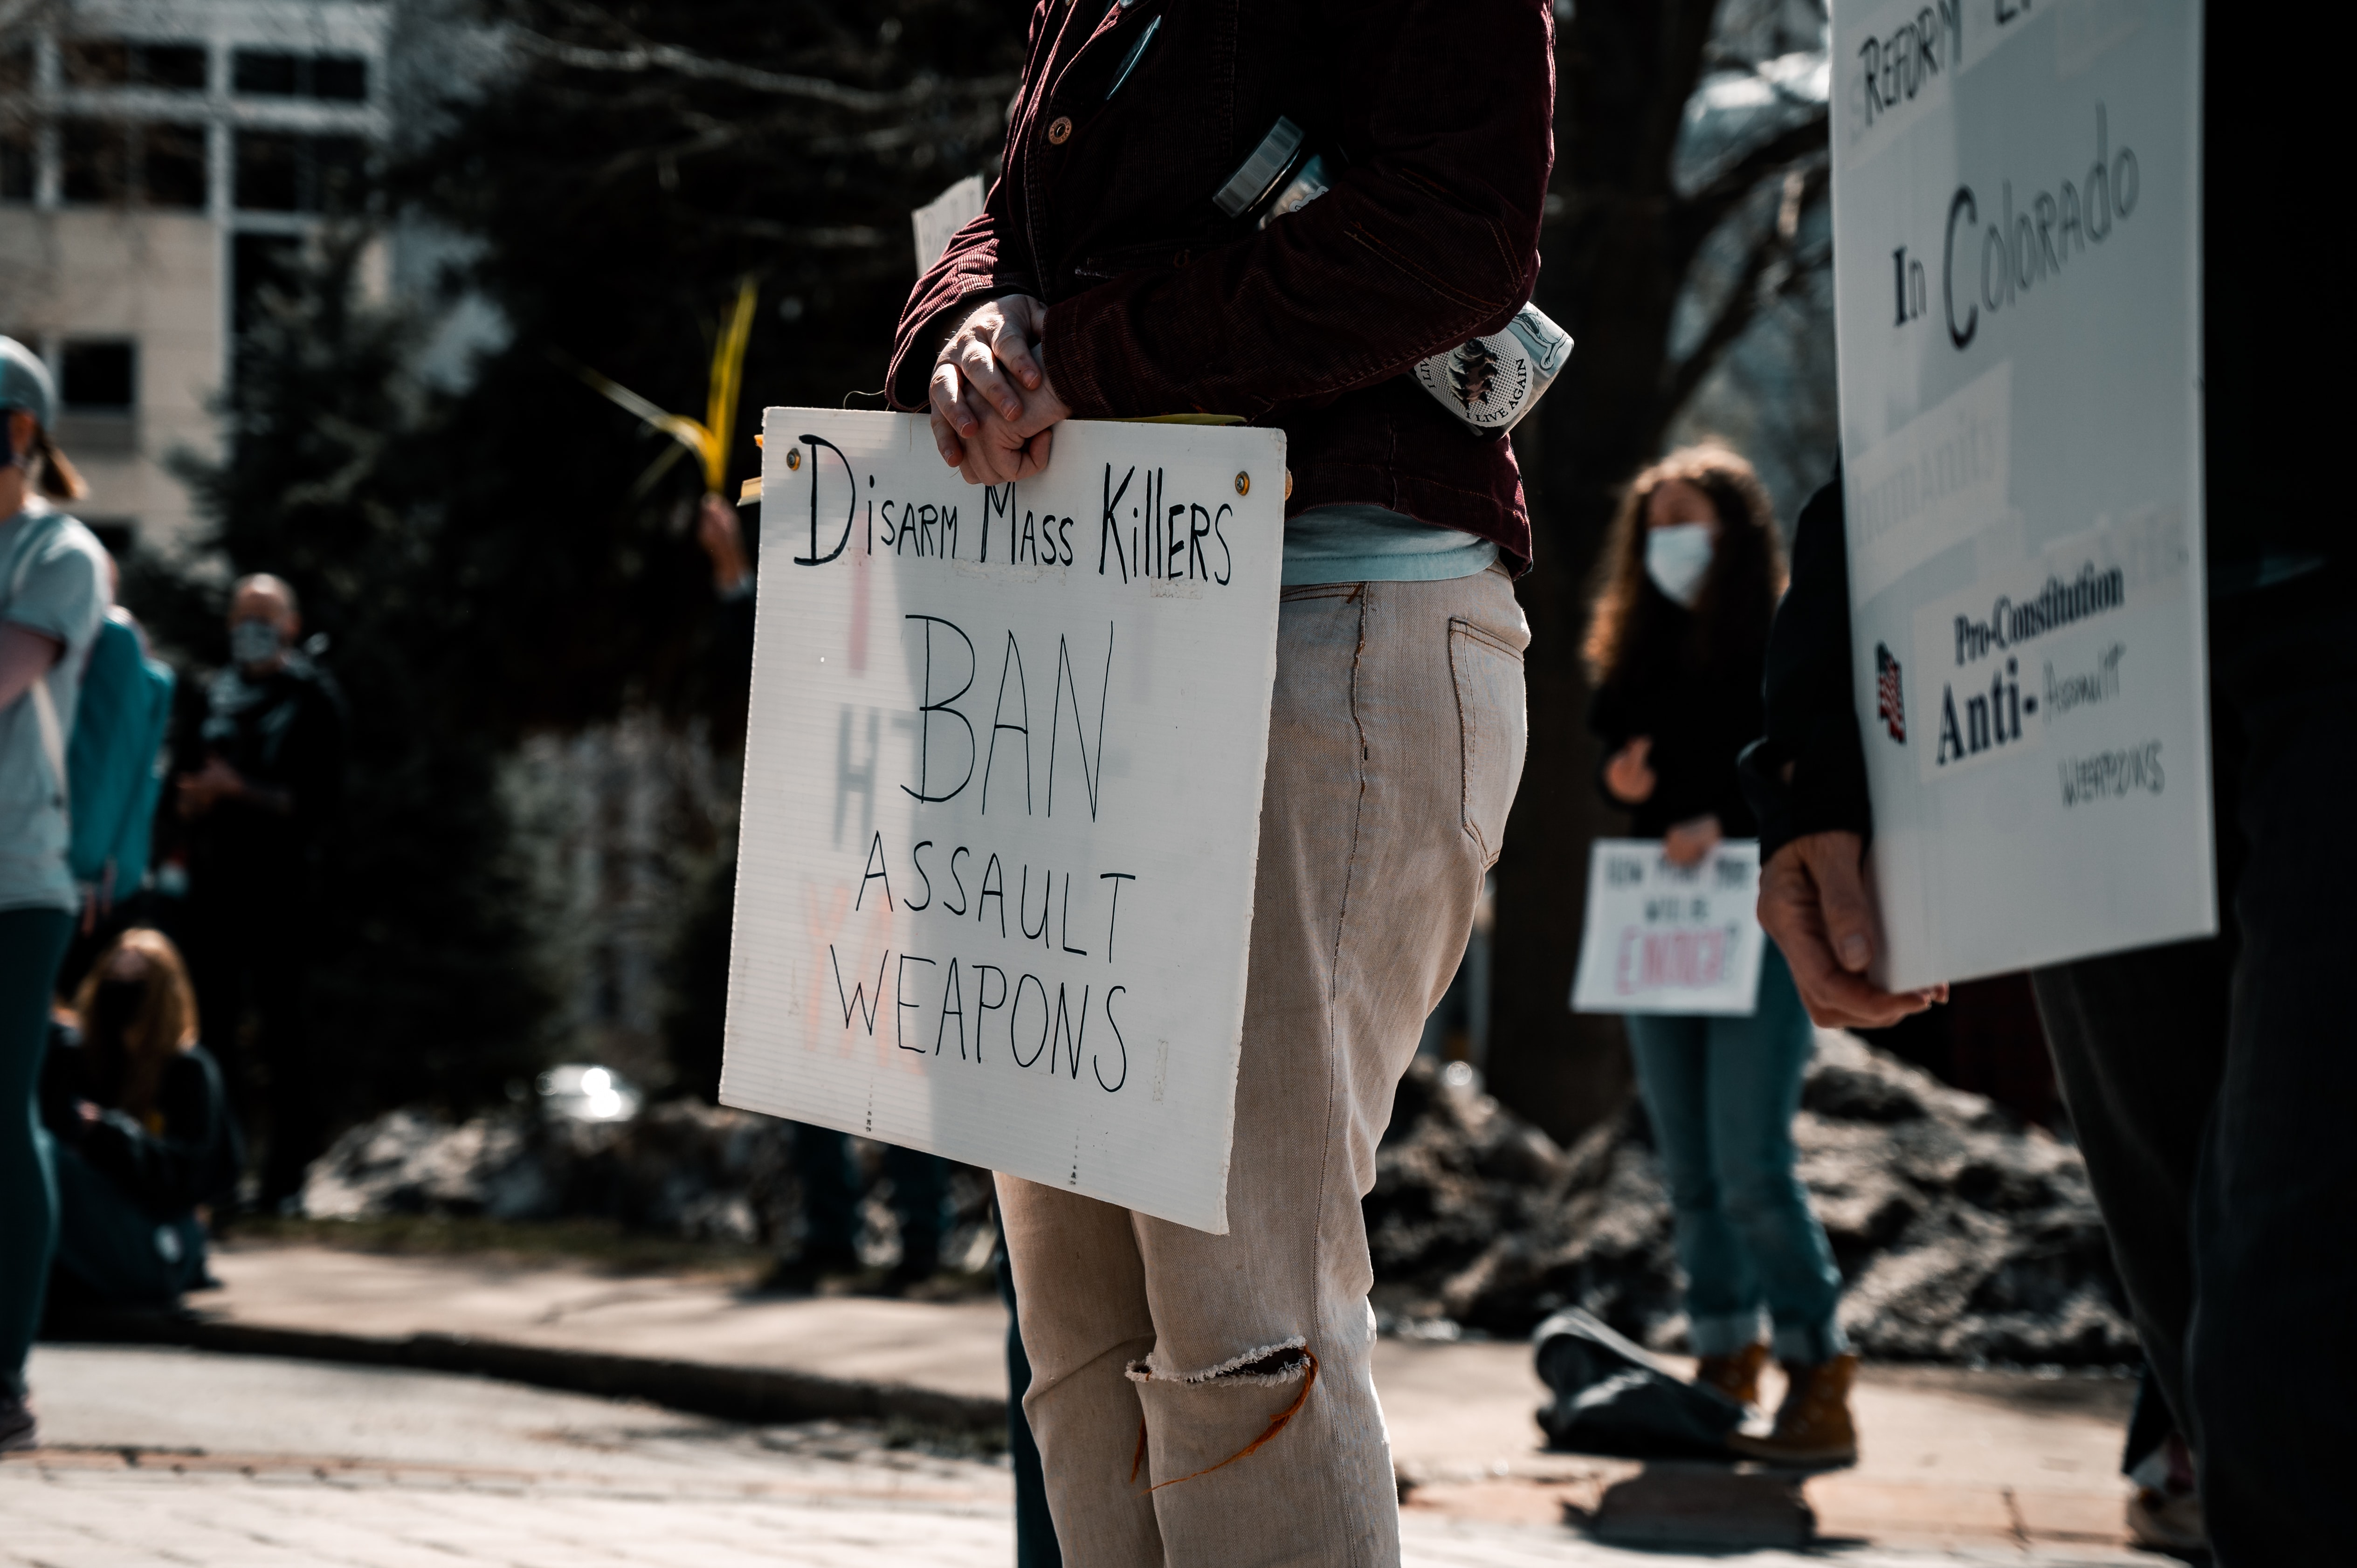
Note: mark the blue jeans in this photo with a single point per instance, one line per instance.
(32, 942)
(1722, 1092)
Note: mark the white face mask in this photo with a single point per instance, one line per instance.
(1678, 558)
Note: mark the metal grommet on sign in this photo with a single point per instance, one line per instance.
(1059, 130)
(1243, 484)
(793, 456)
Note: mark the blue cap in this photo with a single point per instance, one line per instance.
(24, 383)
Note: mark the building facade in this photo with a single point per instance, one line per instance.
(160, 163)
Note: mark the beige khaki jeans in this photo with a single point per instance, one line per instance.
(1395, 742)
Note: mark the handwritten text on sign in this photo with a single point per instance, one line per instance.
(2016, 245)
(1002, 798)
(1670, 938)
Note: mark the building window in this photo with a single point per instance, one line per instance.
(281, 172)
(116, 62)
(341, 78)
(16, 162)
(96, 167)
(98, 375)
(107, 161)
(172, 170)
(95, 63)
(262, 73)
(179, 66)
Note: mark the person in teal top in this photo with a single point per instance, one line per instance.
(53, 598)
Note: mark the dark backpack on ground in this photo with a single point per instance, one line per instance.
(1613, 1396)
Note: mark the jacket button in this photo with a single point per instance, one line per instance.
(1059, 130)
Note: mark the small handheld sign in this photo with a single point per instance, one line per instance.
(1002, 798)
(1663, 937)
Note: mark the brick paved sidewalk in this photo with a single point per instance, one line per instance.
(1954, 1459)
(176, 1456)
(77, 1511)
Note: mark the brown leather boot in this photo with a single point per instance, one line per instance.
(1735, 1376)
(1813, 1429)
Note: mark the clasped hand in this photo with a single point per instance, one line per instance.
(993, 406)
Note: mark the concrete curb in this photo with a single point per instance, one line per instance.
(755, 1395)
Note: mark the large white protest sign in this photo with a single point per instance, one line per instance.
(1663, 937)
(2016, 217)
(1002, 798)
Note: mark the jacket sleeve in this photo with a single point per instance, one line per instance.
(1808, 774)
(1428, 237)
(985, 259)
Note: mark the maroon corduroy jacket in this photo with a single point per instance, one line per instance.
(1160, 305)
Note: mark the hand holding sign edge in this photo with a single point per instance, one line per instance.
(1815, 903)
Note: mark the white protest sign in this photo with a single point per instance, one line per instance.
(2017, 224)
(1002, 798)
(938, 221)
(1663, 937)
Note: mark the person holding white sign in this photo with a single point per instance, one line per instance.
(2153, 355)
(1688, 579)
(1203, 1398)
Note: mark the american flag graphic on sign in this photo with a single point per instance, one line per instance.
(1886, 687)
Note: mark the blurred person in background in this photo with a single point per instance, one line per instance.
(258, 809)
(831, 1182)
(53, 598)
(143, 1131)
(1676, 643)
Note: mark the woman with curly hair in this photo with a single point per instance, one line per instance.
(1687, 585)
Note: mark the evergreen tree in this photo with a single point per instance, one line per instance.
(425, 988)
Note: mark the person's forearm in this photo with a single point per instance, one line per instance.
(25, 656)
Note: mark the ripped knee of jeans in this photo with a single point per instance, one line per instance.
(1288, 1361)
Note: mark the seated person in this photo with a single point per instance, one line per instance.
(143, 1131)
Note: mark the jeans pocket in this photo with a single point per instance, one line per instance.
(1493, 730)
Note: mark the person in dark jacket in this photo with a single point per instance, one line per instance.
(143, 1131)
(258, 810)
(1203, 1398)
(2209, 1082)
(1688, 579)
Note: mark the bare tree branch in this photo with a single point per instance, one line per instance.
(646, 56)
(1706, 206)
(848, 237)
(1773, 270)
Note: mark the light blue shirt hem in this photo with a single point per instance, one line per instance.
(1375, 544)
